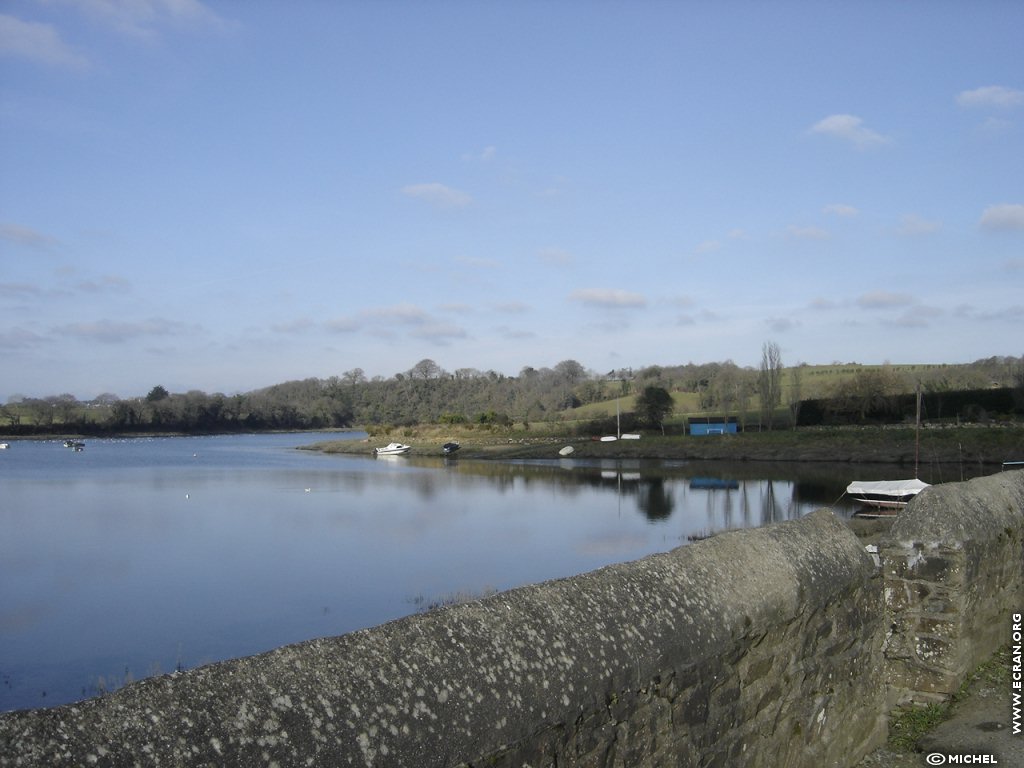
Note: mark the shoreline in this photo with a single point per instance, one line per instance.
(985, 446)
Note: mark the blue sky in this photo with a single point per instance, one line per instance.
(226, 195)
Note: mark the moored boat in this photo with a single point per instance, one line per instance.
(393, 449)
(885, 494)
(450, 448)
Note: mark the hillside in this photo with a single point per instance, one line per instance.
(568, 395)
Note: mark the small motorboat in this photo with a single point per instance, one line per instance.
(450, 448)
(393, 449)
(4, 446)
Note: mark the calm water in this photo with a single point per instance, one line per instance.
(135, 557)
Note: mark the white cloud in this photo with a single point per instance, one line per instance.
(1013, 313)
(342, 325)
(608, 298)
(293, 326)
(438, 195)
(916, 317)
(113, 332)
(912, 224)
(708, 246)
(1006, 216)
(558, 256)
(107, 283)
(403, 314)
(19, 290)
(19, 338)
(19, 235)
(457, 307)
(143, 18)
(512, 307)
(841, 209)
(807, 233)
(477, 262)
(481, 156)
(782, 324)
(991, 96)
(37, 42)
(849, 128)
(704, 316)
(439, 332)
(883, 300)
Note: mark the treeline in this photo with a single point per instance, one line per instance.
(969, 405)
(426, 393)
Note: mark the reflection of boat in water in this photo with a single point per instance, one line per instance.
(393, 449)
(611, 474)
(713, 484)
(885, 494)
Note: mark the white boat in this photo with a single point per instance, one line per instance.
(392, 449)
(4, 446)
(885, 494)
(889, 496)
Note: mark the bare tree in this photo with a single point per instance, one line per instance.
(426, 369)
(769, 382)
(354, 377)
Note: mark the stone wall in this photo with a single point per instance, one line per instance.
(952, 565)
(754, 648)
(768, 647)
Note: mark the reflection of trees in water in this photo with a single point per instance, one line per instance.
(749, 502)
(769, 505)
(752, 500)
(654, 499)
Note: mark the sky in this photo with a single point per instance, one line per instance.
(225, 195)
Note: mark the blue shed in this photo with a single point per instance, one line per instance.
(713, 425)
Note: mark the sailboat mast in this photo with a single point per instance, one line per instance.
(917, 433)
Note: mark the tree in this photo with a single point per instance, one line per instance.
(157, 394)
(795, 392)
(572, 371)
(769, 380)
(426, 369)
(653, 405)
(354, 377)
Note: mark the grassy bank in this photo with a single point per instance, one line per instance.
(967, 445)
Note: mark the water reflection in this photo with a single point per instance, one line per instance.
(731, 495)
(149, 554)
